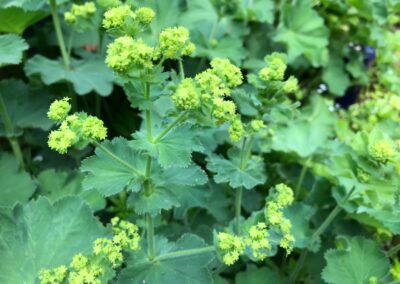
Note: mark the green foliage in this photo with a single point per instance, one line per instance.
(11, 49)
(208, 134)
(169, 268)
(85, 76)
(40, 235)
(16, 186)
(358, 263)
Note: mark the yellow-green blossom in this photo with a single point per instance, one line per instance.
(145, 15)
(257, 240)
(284, 195)
(126, 234)
(125, 53)
(287, 242)
(59, 109)
(79, 261)
(93, 128)
(229, 73)
(274, 213)
(117, 16)
(291, 85)
(362, 175)
(187, 95)
(80, 11)
(236, 130)
(276, 67)
(382, 150)
(110, 250)
(223, 111)
(174, 42)
(231, 246)
(395, 269)
(86, 275)
(211, 85)
(62, 139)
(53, 276)
(257, 124)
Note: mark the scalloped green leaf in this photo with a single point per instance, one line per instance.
(17, 20)
(229, 171)
(25, 107)
(58, 184)
(362, 260)
(304, 33)
(111, 175)
(11, 48)
(85, 75)
(40, 235)
(186, 269)
(15, 185)
(173, 150)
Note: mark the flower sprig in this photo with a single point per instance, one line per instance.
(77, 129)
(90, 269)
(257, 237)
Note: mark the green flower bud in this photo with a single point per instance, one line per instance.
(223, 111)
(174, 42)
(93, 128)
(381, 151)
(362, 175)
(276, 67)
(116, 17)
(228, 72)
(145, 15)
(125, 53)
(236, 130)
(211, 85)
(187, 96)
(62, 139)
(59, 110)
(291, 85)
(69, 18)
(79, 261)
(108, 3)
(257, 124)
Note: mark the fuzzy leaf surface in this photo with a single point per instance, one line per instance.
(190, 269)
(41, 235)
(11, 48)
(360, 261)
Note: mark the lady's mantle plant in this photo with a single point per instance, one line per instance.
(156, 168)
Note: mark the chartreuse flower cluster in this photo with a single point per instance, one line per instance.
(382, 150)
(77, 129)
(79, 12)
(274, 215)
(175, 42)
(89, 269)
(274, 73)
(257, 237)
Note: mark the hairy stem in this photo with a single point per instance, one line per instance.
(183, 253)
(10, 133)
(116, 158)
(316, 234)
(178, 120)
(60, 38)
(150, 236)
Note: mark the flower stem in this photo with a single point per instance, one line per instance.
(147, 185)
(301, 178)
(393, 251)
(10, 133)
(116, 158)
(178, 120)
(244, 158)
(181, 69)
(60, 38)
(183, 253)
(316, 234)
